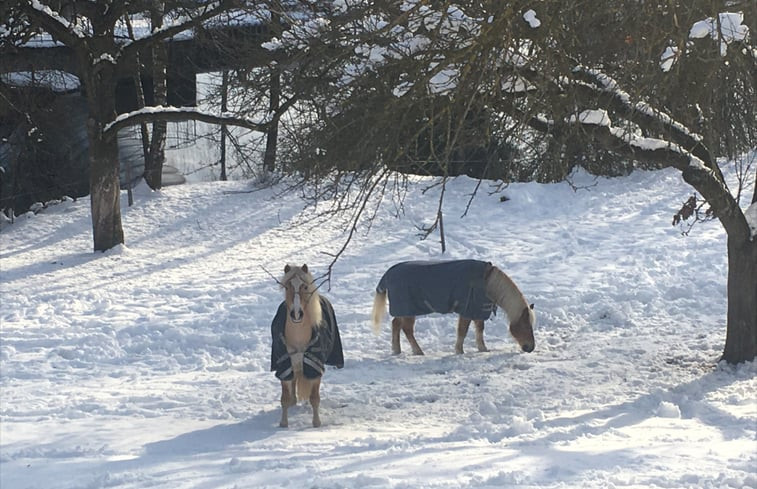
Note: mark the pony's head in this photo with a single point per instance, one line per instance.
(522, 329)
(503, 291)
(301, 295)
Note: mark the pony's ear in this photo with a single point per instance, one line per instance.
(287, 268)
(531, 306)
(305, 268)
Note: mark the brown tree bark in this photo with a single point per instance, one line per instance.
(271, 142)
(104, 184)
(274, 100)
(105, 198)
(154, 164)
(741, 325)
(741, 331)
(224, 108)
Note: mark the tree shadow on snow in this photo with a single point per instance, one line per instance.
(689, 398)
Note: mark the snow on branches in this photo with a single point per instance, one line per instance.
(726, 29)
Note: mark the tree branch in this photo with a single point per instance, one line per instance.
(180, 114)
(642, 114)
(353, 226)
(53, 23)
(175, 29)
(706, 181)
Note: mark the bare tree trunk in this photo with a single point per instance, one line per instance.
(440, 217)
(741, 327)
(104, 184)
(154, 164)
(224, 108)
(105, 195)
(140, 105)
(269, 159)
(741, 331)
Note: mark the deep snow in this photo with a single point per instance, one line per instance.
(147, 366)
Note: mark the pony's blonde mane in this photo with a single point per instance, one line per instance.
(503, 291)
(313, 301)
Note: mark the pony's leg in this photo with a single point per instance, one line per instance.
(480, 335)
(408, 326)
(315, 400)
(396, 326)
(287, 399)
(462, 330)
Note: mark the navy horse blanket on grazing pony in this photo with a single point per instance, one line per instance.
(325, 347)
(416, 288)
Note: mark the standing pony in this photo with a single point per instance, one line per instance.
(470, 288)
(305, 338)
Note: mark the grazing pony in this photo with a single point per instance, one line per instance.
(305, 338)
(470, 288)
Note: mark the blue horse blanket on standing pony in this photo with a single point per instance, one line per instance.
(325, 347)
(416, 288)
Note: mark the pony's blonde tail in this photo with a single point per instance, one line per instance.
(379, 310)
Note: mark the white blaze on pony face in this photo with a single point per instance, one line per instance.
(295, 289)
(301, 295)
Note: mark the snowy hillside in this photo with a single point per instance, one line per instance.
(148, 366)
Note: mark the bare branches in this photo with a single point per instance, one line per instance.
(186, 22)
(438, 223)
(179, 114)
(271, 275)
(354, 221)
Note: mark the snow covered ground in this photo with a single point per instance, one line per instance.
(148, 366)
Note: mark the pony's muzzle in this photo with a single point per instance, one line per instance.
(296, 316)
(528, 347)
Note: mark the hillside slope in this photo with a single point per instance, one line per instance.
(148, 366)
